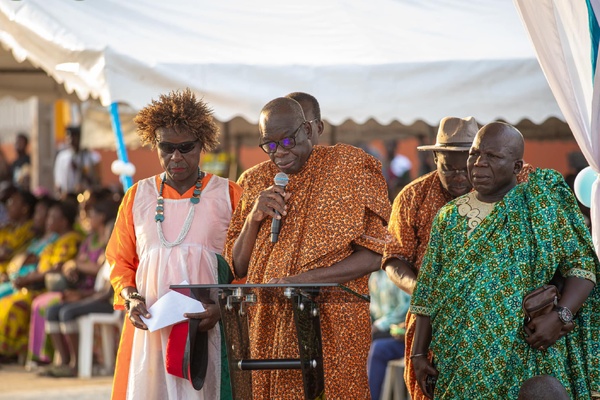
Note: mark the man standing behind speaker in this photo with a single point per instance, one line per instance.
(334, 212)
(312, 113)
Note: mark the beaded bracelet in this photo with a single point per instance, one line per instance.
(418, 355)
(133, 296)
(136, 296)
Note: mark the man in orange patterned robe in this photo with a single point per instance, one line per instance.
(334, 212)
(413, 212)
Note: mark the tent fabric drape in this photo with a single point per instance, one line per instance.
(560, 32)
(386, 60)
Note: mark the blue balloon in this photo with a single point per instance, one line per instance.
(583, 185)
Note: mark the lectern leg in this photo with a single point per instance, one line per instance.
(235, 326)
(308, 328)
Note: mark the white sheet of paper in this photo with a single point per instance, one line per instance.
(169, 310)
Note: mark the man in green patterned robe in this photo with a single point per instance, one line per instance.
(488, 249)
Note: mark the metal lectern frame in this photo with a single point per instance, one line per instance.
(305, 301)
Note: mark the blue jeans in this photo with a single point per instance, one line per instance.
(382, 351)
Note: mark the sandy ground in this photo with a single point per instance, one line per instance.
(18, 384)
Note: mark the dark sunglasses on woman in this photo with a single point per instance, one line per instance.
(183, 148)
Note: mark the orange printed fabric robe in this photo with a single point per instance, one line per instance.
(412, 215)
(339, 199)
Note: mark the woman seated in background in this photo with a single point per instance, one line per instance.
(15, 308)
(25, 261)
(62, 327)
(80, 276)
(18, 232)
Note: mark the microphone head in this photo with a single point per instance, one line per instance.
(281, 179)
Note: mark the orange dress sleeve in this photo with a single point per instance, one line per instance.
(235, 193)
(121, 249)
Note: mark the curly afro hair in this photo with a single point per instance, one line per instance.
(182, 111)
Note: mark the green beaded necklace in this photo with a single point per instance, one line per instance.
(159, 217)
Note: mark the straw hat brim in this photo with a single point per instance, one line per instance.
(437, 147)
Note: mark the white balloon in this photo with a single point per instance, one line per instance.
(583, 185)
(128, 169)
(117, 167)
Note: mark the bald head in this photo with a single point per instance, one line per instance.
(309, 104)
(312, 113)
(510, 135)
(543, 387)
(281, 107)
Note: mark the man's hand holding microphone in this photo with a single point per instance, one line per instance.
(271, 202)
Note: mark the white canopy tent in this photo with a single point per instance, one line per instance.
(381, 60)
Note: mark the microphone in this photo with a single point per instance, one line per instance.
(280, 180)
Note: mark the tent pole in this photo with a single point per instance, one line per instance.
(127, 181)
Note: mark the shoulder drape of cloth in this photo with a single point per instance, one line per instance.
(335, 199)
(339, 199)
(412, 216)
(472, 288)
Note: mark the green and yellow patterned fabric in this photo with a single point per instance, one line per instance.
(472, 288)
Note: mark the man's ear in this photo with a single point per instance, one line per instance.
(309, 132)
(518, 166)
(320, 127)
(435, 155)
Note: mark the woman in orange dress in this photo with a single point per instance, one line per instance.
(170, 228)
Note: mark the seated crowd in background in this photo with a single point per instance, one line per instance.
(62, 244)
(50, 255)
(53, 313)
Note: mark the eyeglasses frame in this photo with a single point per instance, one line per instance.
(278, 141)
(451, 173)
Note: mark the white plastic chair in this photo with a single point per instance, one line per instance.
(108, 323)
(86, 324)
(394, 387)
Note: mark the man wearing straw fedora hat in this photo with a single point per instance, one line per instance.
(414, 209)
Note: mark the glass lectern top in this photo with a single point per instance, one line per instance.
(281, 292)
